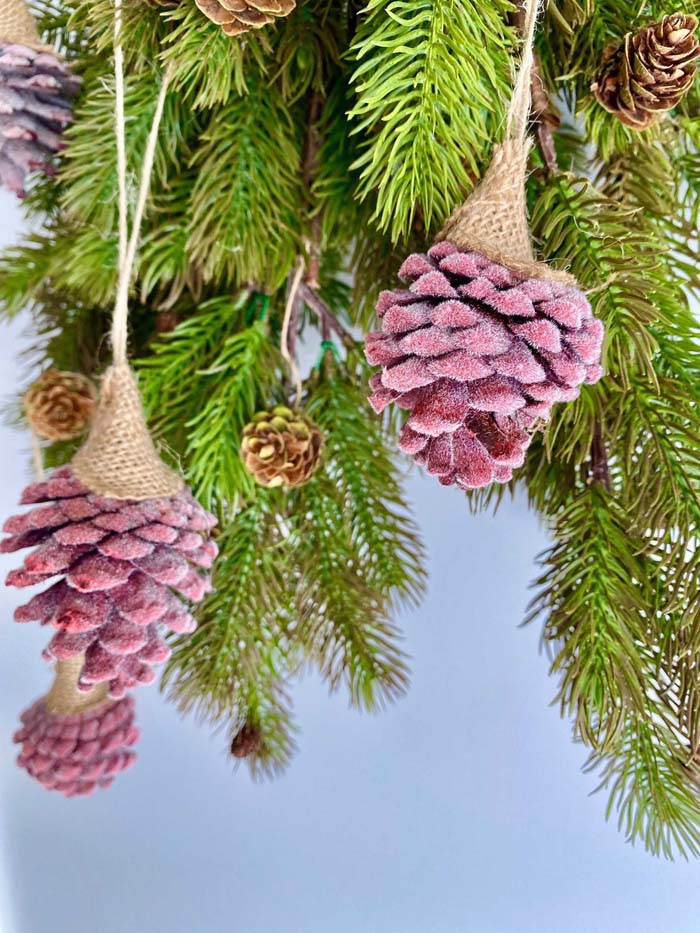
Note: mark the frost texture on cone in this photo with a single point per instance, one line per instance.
(478, 354)
(76, 754)
(282, 447)
(58, 406)
(650, 72)
(123, 566)
(35, 90)
(238, 16)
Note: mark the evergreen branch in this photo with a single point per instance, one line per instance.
(593, 596)
(427, 114)
(235, 660)
(204, 382)
(248, 165)
(345, 632)
(358, 547)
(653, 786)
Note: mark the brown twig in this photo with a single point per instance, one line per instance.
(600, 467)
(545, 118)
(311, 298)
(542, 113)
(309, 168)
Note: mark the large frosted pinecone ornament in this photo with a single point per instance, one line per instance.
(282, 447)
(35, 92)
(127, 571)
(478, 354)
(238, 16)
(78, 753)
(650, 71)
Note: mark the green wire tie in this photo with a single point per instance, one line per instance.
(257, 308)
(327, 345)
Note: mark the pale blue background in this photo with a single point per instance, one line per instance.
(460, 810)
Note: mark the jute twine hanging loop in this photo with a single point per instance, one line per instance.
(493, 220)
(119, 458)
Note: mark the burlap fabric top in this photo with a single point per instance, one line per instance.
(17, 24)
(119, 458)
(493, 220)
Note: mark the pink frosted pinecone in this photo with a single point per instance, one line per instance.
(80, 753)
(123, 565)
(35, 88)
(478, 354)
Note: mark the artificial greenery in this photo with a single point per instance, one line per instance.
(341, 138)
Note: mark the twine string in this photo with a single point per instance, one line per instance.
(518, 115)
(493, 220)
(127, 247)
(120, 137)
(284, 340)
(37, 457)
(119, 458)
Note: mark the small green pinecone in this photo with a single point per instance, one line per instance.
(282, 447)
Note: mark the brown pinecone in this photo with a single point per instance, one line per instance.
(282, 447)
(58, 406)
(246, 742)
(650, 71)
(238, 16)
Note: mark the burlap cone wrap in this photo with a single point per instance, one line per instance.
(119, 458)
(493, 220)
(17, 24)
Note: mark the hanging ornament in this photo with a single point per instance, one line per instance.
(238, 16)
(486, 338)
(124, 565)
(120, 530)
(649, 73)
(247, 741)
(58, 406)
(282, 447)
(35, 90)
(74, 742)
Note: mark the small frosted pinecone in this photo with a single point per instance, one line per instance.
(478, 354)
(282, 447)
(247, 741)
(59, 405)
(650, 72)
(35, 88)
(239, 16)
(80, 753)
(123, 566)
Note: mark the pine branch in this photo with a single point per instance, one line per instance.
(237, 658)
(427, 115)
(358, 547)
(205, 381)
(248, 167)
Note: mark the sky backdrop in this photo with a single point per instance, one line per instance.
(461, 809)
